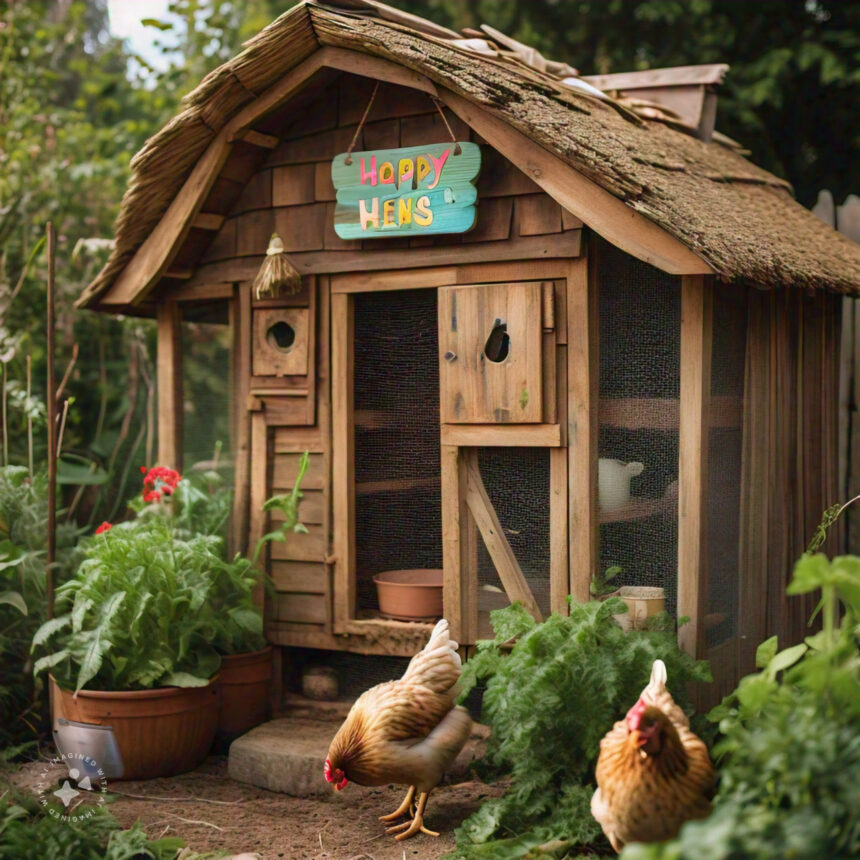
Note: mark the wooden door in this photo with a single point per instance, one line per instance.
(490, 354)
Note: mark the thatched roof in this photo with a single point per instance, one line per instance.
(742, 220)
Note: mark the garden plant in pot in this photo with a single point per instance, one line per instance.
(132, 645)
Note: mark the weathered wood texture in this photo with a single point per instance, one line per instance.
(790, 470)
(846, 219)
(490, 341)
(292, 192)
(696, 340)
(170, 385)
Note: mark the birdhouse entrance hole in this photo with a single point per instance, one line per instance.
(498, 345)
(281, 336)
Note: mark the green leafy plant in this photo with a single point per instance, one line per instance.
(549, 702)
(790, 747)
(23, 526)
(288, 505)
(599, 585)
(30, 832)
(138, 613)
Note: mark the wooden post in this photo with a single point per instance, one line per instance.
(343, 461)
(696, 334)
(170, 385)
(582, 423)
(240, 321)
(460, 574)
(257, 496)
(51, 397)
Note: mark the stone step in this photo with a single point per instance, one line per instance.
(288, 754)
(285, 755)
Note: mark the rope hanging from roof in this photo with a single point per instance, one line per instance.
(437, 104)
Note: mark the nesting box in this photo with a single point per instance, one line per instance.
(607, 287)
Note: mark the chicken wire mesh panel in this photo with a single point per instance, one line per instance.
(517, 485)
(725, 438)
(398, 511)
(640, 378)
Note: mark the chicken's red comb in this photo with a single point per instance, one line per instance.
(327, 770)
(634, 715)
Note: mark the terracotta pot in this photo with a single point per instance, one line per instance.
(410, 595)
(245, 682)
(159, 732)
(642, 602)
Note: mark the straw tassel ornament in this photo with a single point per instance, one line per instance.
(276, 273)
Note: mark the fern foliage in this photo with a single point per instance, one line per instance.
(549, 701)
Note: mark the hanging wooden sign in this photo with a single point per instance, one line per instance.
(413, 191)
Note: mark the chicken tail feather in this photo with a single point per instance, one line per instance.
(438, 666)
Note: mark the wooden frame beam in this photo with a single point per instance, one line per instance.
(343, 464)
(491, 530)
(696, 338)
(208, 221)
(256, 138)
(240, 325)
(460, 575)
(169, 365)
(582, 423)
(501, 435)
(537, 249)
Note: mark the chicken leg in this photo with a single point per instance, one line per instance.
(408, 805)
(410, 828)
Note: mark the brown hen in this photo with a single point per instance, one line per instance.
(407, 732)
(653, 773)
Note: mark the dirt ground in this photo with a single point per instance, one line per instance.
(211, 812)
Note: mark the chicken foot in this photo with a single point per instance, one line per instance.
(410, 828)
(408, 805)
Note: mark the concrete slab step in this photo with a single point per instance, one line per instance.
(285, 755)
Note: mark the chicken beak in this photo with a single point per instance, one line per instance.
(340, 786)
(638, 738)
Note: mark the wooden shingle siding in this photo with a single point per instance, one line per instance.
(292, 192)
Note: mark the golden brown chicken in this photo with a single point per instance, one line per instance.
(653, 773)
(407, 732)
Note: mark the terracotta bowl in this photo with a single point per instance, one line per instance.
(410, 595)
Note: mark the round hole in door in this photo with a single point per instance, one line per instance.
(281, 336)
(498, 345)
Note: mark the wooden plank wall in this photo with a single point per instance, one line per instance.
(293, 194)
(846, 219)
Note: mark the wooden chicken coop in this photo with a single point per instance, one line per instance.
(630, 289)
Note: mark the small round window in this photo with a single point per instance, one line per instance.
(281, 336)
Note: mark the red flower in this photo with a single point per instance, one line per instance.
(104, 527)
(159, 481)
(143, 470)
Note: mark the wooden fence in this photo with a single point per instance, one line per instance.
(846, 219)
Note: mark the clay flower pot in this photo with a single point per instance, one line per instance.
(642, 602)
(410, 595)
(245, 681)
(159, 732)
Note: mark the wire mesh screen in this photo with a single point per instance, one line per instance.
(724, 464)
(206, 393)
(398, 511)
(517, 484)
(640, 373)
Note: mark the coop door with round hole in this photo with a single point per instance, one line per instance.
(281, 342)
(490, 354)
